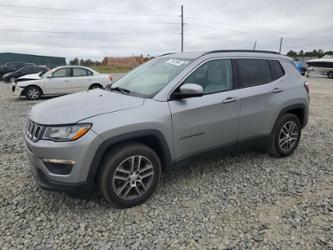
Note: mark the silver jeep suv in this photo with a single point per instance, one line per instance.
(172, 109)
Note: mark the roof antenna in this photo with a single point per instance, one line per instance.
(255, 45)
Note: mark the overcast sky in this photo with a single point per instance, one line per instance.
(94, 29)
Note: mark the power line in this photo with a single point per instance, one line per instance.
(237, 25)
(85, 20)
(83, 11)
(215, 28)
(80, 33)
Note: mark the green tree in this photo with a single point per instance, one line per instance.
(75, 61)
(291, 53)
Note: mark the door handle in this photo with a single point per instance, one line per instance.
(277, 90)
(230, 100)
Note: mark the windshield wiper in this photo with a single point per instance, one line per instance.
(121, 90)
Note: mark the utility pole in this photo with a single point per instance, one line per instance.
(255, 45)
(182, 29)
(280, 45)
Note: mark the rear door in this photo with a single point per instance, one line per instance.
(81, 79)
(210, 121)
(58, 82)
(261, 97)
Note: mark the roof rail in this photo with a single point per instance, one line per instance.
(242, 50)
(165, 54)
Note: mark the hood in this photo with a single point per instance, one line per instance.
(30, 77)
(75, 107)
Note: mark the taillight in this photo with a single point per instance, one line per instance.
(110, 77)
(307, 86)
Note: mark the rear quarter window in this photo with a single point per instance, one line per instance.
(254, 72)
(277, 70)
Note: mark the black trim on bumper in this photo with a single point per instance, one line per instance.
(44, 182)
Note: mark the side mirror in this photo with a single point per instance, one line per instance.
(189, 90)
(49, 76)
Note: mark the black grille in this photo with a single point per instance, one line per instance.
(34, 131)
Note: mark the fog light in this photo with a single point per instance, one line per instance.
(61, 167)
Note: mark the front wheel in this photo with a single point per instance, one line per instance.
(33, 93)
(129, 174)
(286, 135)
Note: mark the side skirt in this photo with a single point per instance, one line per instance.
(253, 142)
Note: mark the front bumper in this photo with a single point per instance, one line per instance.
(45, 182)
(17, 91)
(80, 151)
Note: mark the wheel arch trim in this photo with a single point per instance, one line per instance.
(32, 85)
(293, 107)
(132, 136)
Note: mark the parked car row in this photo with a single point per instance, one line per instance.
(11, 67)
(28, 69)
(11, 71)
(59, 81)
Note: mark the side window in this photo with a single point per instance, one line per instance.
(28, 69)
(38, 69)
(277, 70)
(253, 72)
(79, 72)
(213, 76)
(10, 66)
(25, 70)
(90, 73)
(61, 73)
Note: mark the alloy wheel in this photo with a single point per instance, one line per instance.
(288, 136)
(133, 177)
(33, 93)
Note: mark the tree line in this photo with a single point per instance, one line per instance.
(313, 53)
(88, 62)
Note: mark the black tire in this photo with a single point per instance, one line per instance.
(114, 164)
(33, 92)
(330, 74)
(96, 86)
(281, 140)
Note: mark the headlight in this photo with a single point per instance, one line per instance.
(66, 133)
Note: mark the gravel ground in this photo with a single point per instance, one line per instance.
(239, 201)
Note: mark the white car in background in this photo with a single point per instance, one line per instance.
(59, 81)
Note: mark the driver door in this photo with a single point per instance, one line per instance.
(210, 121)
(58, 82)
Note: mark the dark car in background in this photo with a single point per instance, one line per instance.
(11, 67)
(29, 69)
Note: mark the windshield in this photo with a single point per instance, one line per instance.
(151, 77)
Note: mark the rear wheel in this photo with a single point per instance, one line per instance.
(129, 174)
(330, 74)
(286, 135)
(96, 86)
(33, 93)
